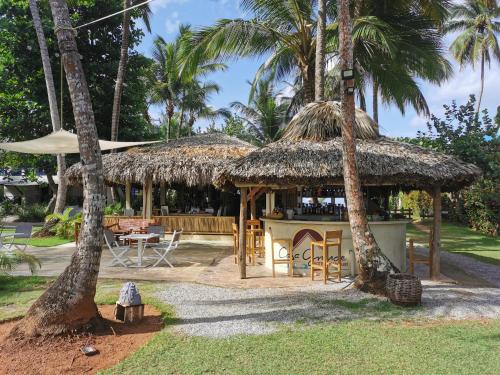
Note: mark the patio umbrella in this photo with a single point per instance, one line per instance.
(61, 142)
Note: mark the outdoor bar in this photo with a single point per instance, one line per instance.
(186, 165)
(302, 178)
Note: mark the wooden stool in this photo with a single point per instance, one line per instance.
(289, 257)
(255, 244)
(413, 259)
(331, 238)
(258, 235)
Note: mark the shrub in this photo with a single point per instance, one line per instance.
(8, 207)
(31, 212)
(65, 226)
(114, 209)
(482, 206)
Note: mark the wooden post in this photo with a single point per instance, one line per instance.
(436, 234)
(147, 199)
(162, 194)
(128, 189)
(253, 209)
(243, 234)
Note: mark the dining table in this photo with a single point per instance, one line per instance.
(141, 239)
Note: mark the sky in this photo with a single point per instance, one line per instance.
(169, 14)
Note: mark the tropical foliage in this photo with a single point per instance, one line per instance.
(477, 22)
(266, 113)
(463, 134)
(65, 226)
(9, 260)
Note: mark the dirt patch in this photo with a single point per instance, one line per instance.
(62, 355)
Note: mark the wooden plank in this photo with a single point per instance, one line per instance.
(243, 240)
(436, 235)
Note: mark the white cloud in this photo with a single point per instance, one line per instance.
(172, 23)
(162, 4)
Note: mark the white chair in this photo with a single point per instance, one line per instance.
(116, 250)
(162, 250)
(23, 231)
(164, 211)
(128, 212)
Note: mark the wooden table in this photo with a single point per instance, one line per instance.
(139, 237)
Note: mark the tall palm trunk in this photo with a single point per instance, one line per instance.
(482, 83)
(375, 101)
(68, 304)
(170, 114)
(319, 80)
(122, 68)
(54, 113)
(374, 265)
(308, 83)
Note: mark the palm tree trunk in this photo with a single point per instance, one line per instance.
(308, 83)
(170, 114)
(54, 113)
(482, 83)
(122, 68)
(68, 304)
(373, 264)
(319, 80)
(375, 101)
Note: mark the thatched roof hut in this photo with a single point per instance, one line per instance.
(310, 153)
(190, 161)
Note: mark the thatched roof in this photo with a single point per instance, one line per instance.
(191, 161)
(310, 156)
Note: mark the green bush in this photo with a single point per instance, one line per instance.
(65, 226)
(482, 206)
(31, 212)
(114, 209)
(419, 201)
(7, 207)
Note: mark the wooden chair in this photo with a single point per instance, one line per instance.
(330, 239)
(255, 234)
(422, 260)
(289, 256)
(236, 242)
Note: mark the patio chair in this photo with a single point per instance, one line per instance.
(164, 211)
(128, 212)
(163, 249)
(116, 250)
(331, 238)
(155, 229)
(23, 231)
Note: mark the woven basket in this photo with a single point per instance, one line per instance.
(404, 289)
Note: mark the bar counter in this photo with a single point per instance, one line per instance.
(390, 236)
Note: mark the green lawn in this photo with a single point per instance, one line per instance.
(41, 242)
(460, 239)
(356, 347)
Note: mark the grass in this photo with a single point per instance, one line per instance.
(358, 346)
(460, 239)
(40, 242)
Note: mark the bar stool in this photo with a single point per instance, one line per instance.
(289, 256)
(255, 239)
(330, 239)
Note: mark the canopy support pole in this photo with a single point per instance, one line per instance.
(162, 194)
(436, 235)
(243, 233)
(128, 188)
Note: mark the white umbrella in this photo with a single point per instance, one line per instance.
(61, 142)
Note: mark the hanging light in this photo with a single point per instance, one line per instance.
(347, 74)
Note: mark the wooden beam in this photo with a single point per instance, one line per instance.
(243, 233)
(253, 208)
(147, 199)
(253, 192)
(128, 188)
(436, 235)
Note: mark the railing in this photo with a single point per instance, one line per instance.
(194, 224)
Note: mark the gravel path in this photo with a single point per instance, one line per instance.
(485, 271)
(219, 312)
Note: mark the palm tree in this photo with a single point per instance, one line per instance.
(54, 113)
(167, 77)
(374, 265)
(68, 304)
(265, 113)
(319, 78)
(177, 79)
(195, 101)
(285, 30)
(477, 20)
(145, 13)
